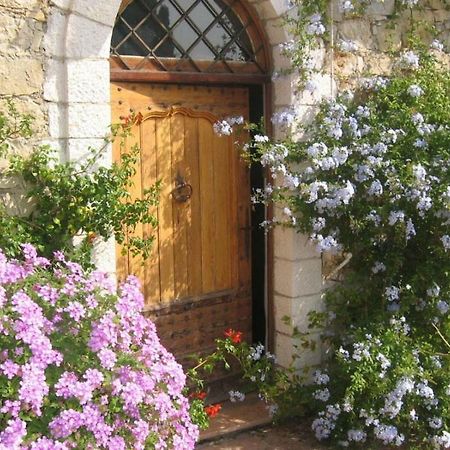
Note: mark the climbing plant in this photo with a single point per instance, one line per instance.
(69, 199)
(369, 180)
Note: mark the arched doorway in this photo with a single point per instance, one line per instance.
(181, 65)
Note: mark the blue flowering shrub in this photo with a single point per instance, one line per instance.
(371, 182)
(80, 366)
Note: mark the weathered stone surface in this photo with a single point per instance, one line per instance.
(63, 4)
(294, 279)
(325, 87)
(276, 32)
(286, 347)
(88, 81)
(55, 81)
(357, 30)
(21, 76)
(102, 12)
(55, 38)
(22, 4)
(383, 8)
(88, 120)
(296, 310)
(348, 64)
(86, 38)
(293, 246)
(377, 63)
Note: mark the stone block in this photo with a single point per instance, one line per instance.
(63, 4)
(347, 64)
(276, 31)
(86, 38)
(268, 9)
(88, 81)
(10, 26)
(441, 15)
(9, 183)
(305, 115)
(293, 246)
(21, 76)
(296, 310)
(104, 255)
(22, 4)
(387, 38)
(290, 353)
(58, 147)
(280, 61)
(80, 149)
(301, 307)
(32, 106)
(384, 8)
(283, 308)
(308, 358)
(357, 30)
(98, 10)
(55, 38)
(55, 85)
(326, 88)
(283, 90)
(88, 120)
(378, 63)
(297, 278)
(16, 203)
(317, 56)
(435, 4)
(57, 120)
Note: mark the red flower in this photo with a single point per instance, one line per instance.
(213, 410)
(200, 395)
(235, 336)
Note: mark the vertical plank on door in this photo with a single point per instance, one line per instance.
(135, 263)
(193, 219)
(179, 208)
(208, 206)
(122, 268)
(164, 168)
(222, 182)
(152, 288)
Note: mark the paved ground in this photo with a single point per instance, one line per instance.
(287, 437)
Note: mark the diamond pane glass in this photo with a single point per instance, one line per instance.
(196, 31)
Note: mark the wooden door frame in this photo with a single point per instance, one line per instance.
(225, 80)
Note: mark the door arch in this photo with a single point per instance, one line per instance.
(181, 65)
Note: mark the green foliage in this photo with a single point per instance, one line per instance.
(279, 388)
(372, 182)
(71, 199)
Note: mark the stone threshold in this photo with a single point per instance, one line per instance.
(237, 417)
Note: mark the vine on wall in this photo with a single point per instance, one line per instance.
(369, 177)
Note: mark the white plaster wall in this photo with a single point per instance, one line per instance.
(77, 89)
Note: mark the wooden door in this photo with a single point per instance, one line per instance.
(197, 280)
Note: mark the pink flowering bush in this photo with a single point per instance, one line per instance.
(80, 366)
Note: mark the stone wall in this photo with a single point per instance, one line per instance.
(22, 58)
(23, 24)
(376, 34)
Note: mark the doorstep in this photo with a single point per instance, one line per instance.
(236, 417)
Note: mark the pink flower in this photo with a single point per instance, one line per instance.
(76, 311)
(107, 358)
(10, 369)
(12, 436)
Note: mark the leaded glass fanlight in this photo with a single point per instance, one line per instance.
(212, 36)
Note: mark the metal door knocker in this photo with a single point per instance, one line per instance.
(183, 191)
